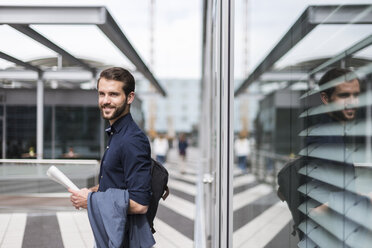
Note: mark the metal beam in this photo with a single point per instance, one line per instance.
(344, 54)
(51, 15)
(77, 76)
(114, 33)
(25, 29)
(274, 76)
(340, 14)
(19, 62)
(40, 119)
(310, 18)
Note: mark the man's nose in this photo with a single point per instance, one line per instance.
(106, 100)
(352, 100)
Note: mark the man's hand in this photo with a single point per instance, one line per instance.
(79, 197)
(136, 208)
(94, 188)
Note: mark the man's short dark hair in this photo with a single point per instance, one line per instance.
(121, 75)
(333, 74)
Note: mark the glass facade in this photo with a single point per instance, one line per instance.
(303, 113)
(71, 125)
(82, 133)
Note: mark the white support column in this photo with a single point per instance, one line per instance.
(225, 83)
(102, 138)
(53, 138)
(40, 119)
(4, 129)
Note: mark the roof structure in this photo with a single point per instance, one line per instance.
(21, 17)
(312, 17)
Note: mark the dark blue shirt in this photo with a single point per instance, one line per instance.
(127, 161)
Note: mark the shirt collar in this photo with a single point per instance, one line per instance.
(119, 124)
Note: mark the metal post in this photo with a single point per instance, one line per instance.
(226, 130)
(53, 138)
(102, 137)
(4, 129)
(40, 119)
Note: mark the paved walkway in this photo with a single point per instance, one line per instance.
(48, 220)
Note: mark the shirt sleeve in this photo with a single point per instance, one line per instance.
(137, 169)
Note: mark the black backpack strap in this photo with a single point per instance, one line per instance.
(166, 193)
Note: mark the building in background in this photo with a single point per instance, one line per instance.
(179, 112)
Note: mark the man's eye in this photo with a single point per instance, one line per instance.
(344, 95)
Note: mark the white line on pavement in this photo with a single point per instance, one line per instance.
(168, 237)
(180, 206)
(181, 186)
(12, 229)
(242, 180)
(250, 195)
(262, 229)
(75, 229)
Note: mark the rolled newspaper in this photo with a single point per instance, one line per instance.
(56, 175)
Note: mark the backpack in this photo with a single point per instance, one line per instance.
(159, 188)
(289, 180)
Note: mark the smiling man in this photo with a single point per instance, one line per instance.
(125, 166)
(345, 94)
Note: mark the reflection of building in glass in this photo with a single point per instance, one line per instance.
(276, 124)
(327, 127)
(180, 110)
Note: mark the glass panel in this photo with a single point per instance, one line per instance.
(21, 131)
(81, 134)
(302, 125)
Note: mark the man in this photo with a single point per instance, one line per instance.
(344, 94)
(126, 162)
(339, 91)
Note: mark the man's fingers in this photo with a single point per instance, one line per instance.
(72, 191)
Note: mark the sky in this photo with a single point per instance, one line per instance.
(177, 37)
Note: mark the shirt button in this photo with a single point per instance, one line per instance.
(112, 133)
(101, 176)
(107, 147)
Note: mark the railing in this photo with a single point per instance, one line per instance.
(266, 165)
(29, 175)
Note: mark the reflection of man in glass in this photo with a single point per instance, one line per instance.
(342, 97)
(344, 93)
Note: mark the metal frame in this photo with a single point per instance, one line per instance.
(25, 29)
(310, 18)
(217, 125)
(72, 75)
(344, 54)
(19, 17)
(19, 62)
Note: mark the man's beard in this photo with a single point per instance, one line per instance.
(118, 111)
(344, 116)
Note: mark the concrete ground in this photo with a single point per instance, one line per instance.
(48, 219)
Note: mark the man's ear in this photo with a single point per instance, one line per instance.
(324, 97)
(130, 97)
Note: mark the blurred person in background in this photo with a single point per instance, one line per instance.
(242, 151)
(161, 147)
(182, 147)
